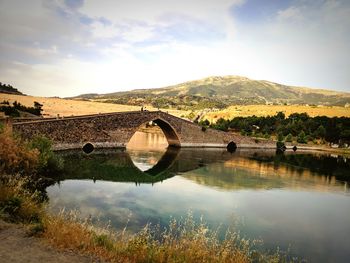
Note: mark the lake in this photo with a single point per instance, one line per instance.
(298, 200)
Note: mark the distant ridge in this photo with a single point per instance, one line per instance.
(7, 88)
(222, 91)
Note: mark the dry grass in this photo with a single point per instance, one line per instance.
(18, 204)
(184, 241)
(65, 107)
(15, 155)
(264, 110)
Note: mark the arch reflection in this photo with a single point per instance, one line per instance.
(117, 165)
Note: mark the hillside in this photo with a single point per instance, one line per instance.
(8, 89)
(220, 92)
(63, 107)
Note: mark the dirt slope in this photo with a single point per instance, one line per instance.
(16, 246)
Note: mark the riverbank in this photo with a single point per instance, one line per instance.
(319, 148)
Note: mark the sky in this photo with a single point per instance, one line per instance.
(70, 47)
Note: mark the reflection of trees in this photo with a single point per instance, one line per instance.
(266, 170)
(244, 169)
(319, 165)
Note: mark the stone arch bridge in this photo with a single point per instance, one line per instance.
(116, 129)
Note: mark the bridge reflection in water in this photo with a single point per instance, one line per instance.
(117, 165)
(121, 166)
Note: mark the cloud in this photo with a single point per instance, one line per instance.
(74, 4)
(303, 44)
(289, 13)
(74, 47)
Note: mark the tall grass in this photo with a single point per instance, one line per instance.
(182, 241)
(16, 156)
(17, 204)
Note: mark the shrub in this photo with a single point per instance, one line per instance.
(301, 137)
(49, 163)
(15, 155)
(18, 204)
(43, 145)
(289, 138)
(27, 158)
(280, 137)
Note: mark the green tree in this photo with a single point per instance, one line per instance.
(301, 137)
(38, 108)
(280, 137)
(204, 123)
(280, 115)
(320, 132)
(289, 138)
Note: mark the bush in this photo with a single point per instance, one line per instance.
(18, 204)
(48, 162)
(27, 158)
(289, 138)
(16, 157)
(43, 145)
(280, 137)
(301, 137)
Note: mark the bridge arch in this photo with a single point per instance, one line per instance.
(88, 148)
(231, 146)
(168, 130)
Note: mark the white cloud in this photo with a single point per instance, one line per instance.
(291, 13)
(47, 50)
(138, 34)
(151, 10)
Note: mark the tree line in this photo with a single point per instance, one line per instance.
(7, 88)
(16, 107)
(299, 127)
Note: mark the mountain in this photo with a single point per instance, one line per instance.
(220, 92)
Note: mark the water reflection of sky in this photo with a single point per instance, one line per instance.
(279, 204)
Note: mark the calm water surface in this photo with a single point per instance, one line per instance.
(296, 199)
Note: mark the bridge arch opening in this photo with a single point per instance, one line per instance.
(88, 148)
(155, 134)
(231, 147)
(149, 143)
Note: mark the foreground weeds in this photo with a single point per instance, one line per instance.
(181, 241)
(16, 156)
(17, 204)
